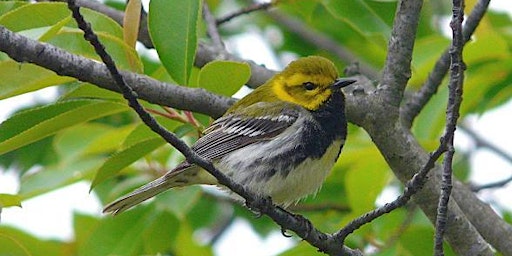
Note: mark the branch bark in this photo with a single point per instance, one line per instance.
(452, 115)
(419, 99)
(369, 108)
(397, 69)
(23, 49)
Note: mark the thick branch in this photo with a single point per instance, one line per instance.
(368, 109)
(23, 49)
(397, 69)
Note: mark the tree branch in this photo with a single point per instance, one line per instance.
(368, 108)
(252, 8)
(211, 26)
(418, 100)
(23, 49)
(482, 142)
(397, 69)
(452, 115)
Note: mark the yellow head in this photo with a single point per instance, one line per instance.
(308, 82)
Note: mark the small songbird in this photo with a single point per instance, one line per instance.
(279, 141)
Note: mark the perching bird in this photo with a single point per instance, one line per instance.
(279, 141)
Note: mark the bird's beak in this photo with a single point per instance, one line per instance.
(343, 82)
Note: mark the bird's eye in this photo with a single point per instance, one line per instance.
(309, 86)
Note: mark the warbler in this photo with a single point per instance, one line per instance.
(279, 141)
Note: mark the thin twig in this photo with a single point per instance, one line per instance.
(483, 143)
(419, 99)
(211, 27)
(397, 69)
(452, 115)
(497, 184)
(246, 10)
(286, 220)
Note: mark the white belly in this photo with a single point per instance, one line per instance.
(305, 179)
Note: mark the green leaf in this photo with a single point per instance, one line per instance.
(35, 124)
(302, 8)
(15, 242)
(185, 244)
(87, 90)
(58, 176)
(138, 143)
(158, 237)
(7, 6)
(359, 15)
(19, 78)
(24, 158)
(34, 16)
(369, 176)
(83, 226)
(142, 132)
(117, 236)
(124, 158)
(224, 77)
(180, 201)
(173, 28)
(53, 30)
(7, 200)
(46, 14)
(89, 139)
(72, 40)
(426, 52)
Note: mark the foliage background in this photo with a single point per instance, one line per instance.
(89, 134)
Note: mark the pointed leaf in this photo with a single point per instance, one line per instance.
(131, 22)
(19, 78)
(49, 14)
(124, 158)
(15, 242)
(173, 29)
(7, 200)
(35, 124)
(359, 15)
(58, 176)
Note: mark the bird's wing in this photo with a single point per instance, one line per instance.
(240, 129)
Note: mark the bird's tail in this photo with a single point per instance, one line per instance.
(167, 181)
(138, 196)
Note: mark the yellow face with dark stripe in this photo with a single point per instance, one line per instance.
(306, 82)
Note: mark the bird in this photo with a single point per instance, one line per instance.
(279, 141)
